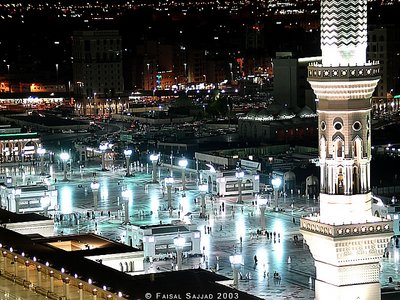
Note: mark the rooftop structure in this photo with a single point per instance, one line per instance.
(56, 267)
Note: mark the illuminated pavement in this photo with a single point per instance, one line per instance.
(148, 206)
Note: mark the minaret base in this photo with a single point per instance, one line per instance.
(347, 257)
(368, 291)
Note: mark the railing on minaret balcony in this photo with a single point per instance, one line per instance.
(319, 72)
(335, 230)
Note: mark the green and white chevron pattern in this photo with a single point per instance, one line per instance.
(343, 24)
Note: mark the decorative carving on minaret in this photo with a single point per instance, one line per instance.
(343, 32)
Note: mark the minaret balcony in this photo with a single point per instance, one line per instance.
(318, 72)
(378, 226)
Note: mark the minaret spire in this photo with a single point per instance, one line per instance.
(345, 239)
(343, 32)
(344, 84)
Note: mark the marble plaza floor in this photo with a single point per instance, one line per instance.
(233, 230)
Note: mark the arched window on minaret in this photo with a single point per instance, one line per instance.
(340, 182)
(322, 147)
(338, 147)
(357, 148)
(323, 154)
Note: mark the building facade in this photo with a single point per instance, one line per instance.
(278, 125)
(345, 239)
(97, 69)
(225, 183)
(158, 240)
(383, 45)
(290, 80)
(16, 146)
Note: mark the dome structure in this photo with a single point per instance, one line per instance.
(265, 115)
(289, 175)
(306, 112)
(285, 114)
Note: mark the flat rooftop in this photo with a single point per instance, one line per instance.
(193, 281)
(10, 217)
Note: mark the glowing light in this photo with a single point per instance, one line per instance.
(203, 188)
(240, 226)
(127, 152)
(154, 157)
(276, 182)
(127, 195)
(64, 156)
(66, 206)
(183, 163)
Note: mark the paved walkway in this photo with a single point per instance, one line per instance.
(233, 230)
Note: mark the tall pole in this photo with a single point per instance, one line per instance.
(126, 194)
(172, 163)
(95, 189)
(203, 188)
(236, 262)
(240, 200)
(154, 159)
(65, 171)
(128, 153)
(183, 164)
(239, 175)
(17, 200)
(179, 243)
(262, 206)
(168, 182)
(103, 148)
(154, 163)
(41, 152)
(276, 183)
(65, 157)
(9, 81)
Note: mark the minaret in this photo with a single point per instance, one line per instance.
(345, 239)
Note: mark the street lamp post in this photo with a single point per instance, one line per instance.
(154, 160)
(183, 164)
(103, 148)
(8, 77)
(236, 263)
(262, 203)
(65, 157)
(128, 153)
(179, 243)
(276, 183)
(169, 181)
(95, 189)
(239, 175)
(203, 188)
(17, 200)
(45, 204)
(125, 196)
(41, 152)
(172, 162)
